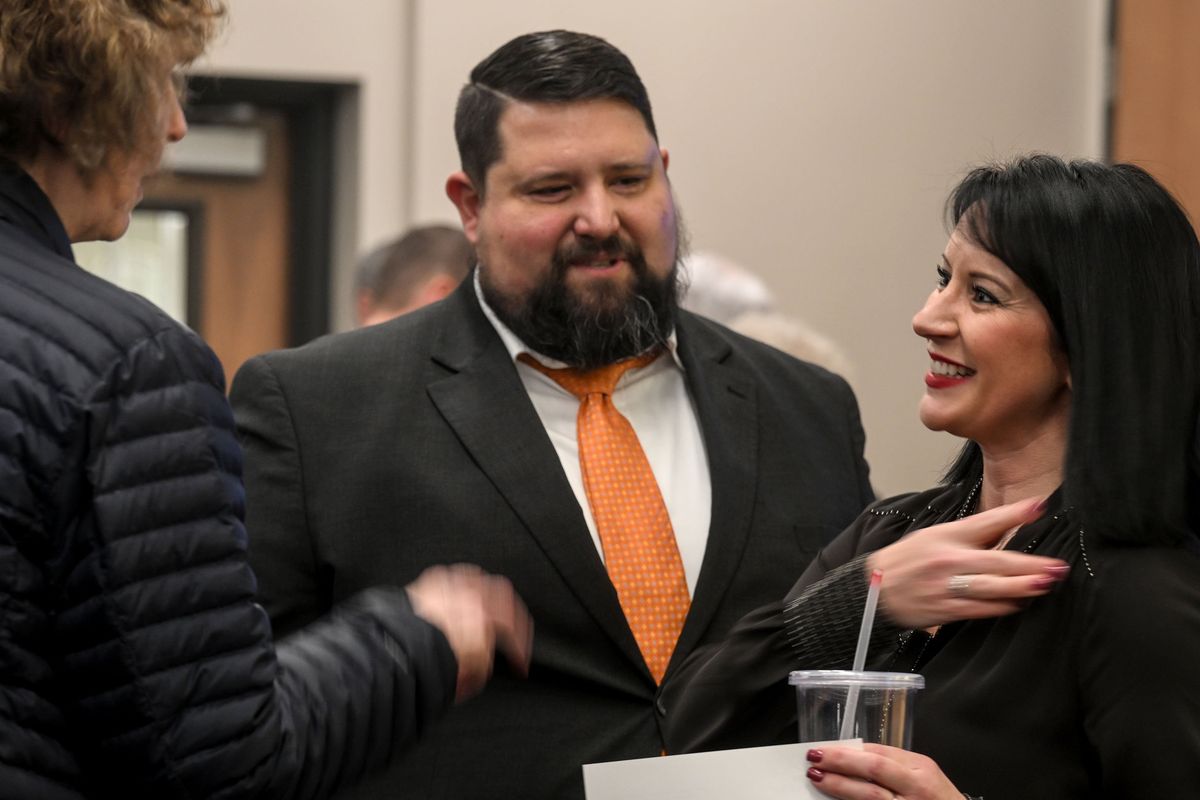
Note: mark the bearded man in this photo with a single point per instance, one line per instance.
(644, 476)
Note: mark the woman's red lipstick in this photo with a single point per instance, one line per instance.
(941, 380)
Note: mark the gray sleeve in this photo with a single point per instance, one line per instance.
(294, 586)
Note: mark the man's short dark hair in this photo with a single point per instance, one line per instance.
(392, 272)
(546, 67)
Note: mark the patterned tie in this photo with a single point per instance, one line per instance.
(631, 519)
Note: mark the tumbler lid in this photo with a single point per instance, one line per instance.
(848, 677)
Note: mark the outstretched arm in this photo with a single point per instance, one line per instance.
(176, 682)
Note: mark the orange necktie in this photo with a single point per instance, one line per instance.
(631, 519)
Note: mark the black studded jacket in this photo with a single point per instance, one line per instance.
(1090, 692)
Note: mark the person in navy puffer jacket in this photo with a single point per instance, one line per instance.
(134, 661)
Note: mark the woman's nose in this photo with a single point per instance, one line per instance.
(935, 319)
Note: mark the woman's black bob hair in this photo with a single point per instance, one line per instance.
(1115, 261)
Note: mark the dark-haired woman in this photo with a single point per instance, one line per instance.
(134, 661)
(1062, 334)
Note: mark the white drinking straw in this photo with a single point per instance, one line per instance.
(860, 653)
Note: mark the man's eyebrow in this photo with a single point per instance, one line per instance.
(551, 174)
(632, 165)
(548, 175)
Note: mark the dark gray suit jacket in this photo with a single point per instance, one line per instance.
(373, 454)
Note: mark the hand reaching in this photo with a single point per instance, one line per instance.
(948, 572)
(878, 772)
(479, 614)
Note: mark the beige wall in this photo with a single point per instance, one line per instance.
(812, 140)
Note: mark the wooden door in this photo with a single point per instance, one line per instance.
(1156, 106)
(244, 283)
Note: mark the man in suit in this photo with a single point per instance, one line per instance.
(445, 435)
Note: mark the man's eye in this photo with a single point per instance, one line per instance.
(630, 180)
(550, 191)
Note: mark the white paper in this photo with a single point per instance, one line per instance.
(763, 773)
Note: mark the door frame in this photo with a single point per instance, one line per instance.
(310, 108)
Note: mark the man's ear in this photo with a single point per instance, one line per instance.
(467, 200)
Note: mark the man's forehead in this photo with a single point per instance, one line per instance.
(537, 130)
(549, 106)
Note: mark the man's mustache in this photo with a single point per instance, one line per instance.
(584, 250)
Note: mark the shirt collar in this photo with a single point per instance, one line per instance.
(514, 345)
(23, 203)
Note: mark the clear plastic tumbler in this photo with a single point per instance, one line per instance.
(884, 708)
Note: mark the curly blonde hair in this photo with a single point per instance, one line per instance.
(91, 70)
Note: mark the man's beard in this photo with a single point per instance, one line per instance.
(600, 325)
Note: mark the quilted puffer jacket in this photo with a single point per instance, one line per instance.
(134, 661)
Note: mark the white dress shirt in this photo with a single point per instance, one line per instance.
(656, 402)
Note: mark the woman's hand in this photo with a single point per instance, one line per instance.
(878, 772)
(949, 572)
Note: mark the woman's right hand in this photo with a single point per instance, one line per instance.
(878, 773)
(948, 572)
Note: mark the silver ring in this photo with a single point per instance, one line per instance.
(960, 585)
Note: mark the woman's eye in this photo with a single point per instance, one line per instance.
(980, 295)
(943, 277)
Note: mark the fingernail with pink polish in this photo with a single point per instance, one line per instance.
(1058, 572)
(815, 775)
(815, 756)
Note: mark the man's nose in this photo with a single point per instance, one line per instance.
(597, 215)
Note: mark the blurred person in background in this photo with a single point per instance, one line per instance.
(134, 660)
(421, 267)
(724, 291)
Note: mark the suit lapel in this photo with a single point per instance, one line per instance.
(482, 399)
(727, 407)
